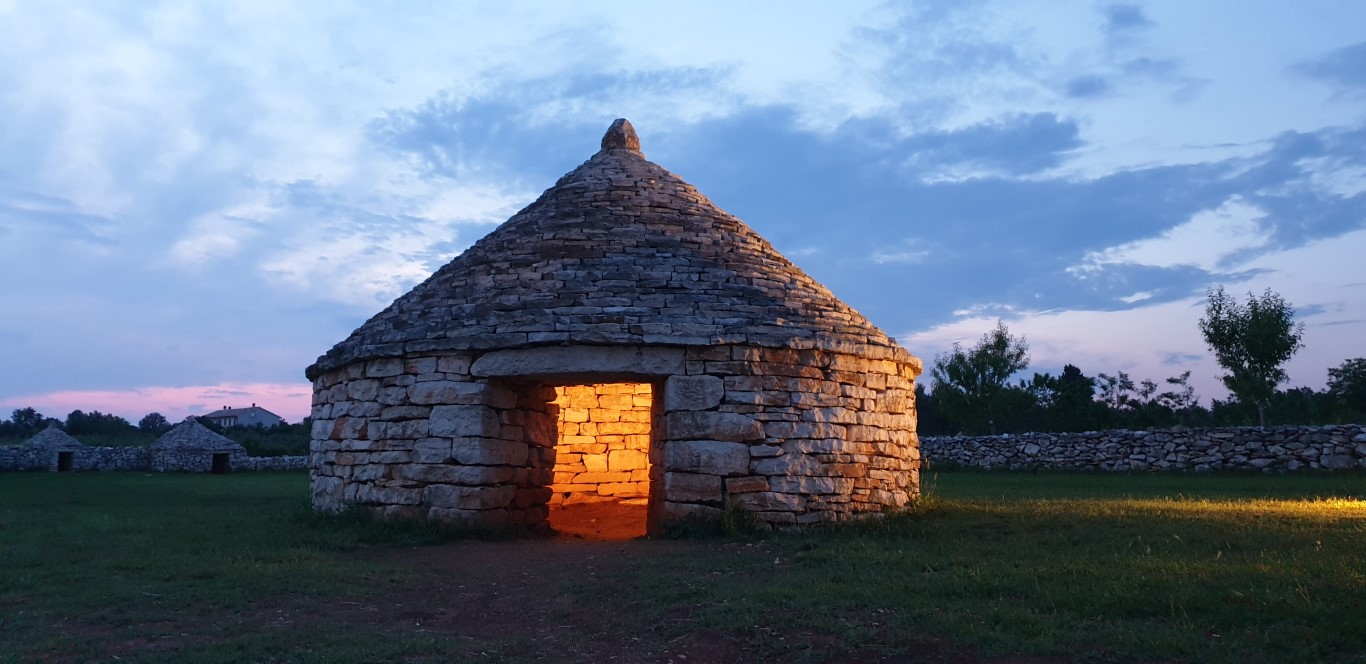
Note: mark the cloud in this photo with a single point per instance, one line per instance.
(1090, 85)
(1343, 67)
(1206, 241)
(1124, 18)
(1012, 145)
(909, 251)
(28, 212)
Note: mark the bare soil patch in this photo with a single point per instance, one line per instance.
(598, 521)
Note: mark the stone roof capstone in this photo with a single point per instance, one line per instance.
(619, 251)
(192, 435)
(53, 438)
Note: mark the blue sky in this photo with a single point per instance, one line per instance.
(197, 199)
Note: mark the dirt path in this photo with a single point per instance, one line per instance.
(519, 597)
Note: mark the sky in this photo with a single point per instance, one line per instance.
(199, 199)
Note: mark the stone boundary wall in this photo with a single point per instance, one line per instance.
(86, 459)
(1270, 450)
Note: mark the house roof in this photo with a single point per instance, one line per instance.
(239, 412)
(190, 434)
(53, 438)
(619, 251)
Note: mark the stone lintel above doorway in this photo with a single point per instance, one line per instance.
(569, 361)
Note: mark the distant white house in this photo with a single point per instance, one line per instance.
(255, 416)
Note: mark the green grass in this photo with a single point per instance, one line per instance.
(1192, 568)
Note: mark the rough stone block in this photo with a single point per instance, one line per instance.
(469, 497)
(770, 501)
(383, 368)
(455, 421)
(691, 487)
(443, 392)
(709, 425)
(489, 452)
(432, 450)
(749, 484)
(673, 511)
(707, 456)
(693, 392)
(633, 459)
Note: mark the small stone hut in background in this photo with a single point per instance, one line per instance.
(56, 450)
(192, 447)
(620, 339)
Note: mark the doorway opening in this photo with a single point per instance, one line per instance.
(65, 461)
(601, 486)
(222, 464)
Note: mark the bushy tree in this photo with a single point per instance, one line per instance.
(153, 423)
(79, 423)
(27, 418)
(1347, 386)
(1251, 341)
(971, 386)
(1116, 391)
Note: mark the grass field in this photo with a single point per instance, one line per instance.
(1007, 567)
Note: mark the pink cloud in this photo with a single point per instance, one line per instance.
(288, 400)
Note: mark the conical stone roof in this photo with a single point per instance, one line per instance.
(53, 438)
(619, 251)
(192, 435)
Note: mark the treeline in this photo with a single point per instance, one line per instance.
(1074, 401)
(972, 393)
(107, 430)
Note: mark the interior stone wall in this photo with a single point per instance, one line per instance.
(604, 443)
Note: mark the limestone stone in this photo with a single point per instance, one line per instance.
(489, 452)
(464, 421)
(709, 425)
(707, 456)
(693, 392)
(560, 360)
(692, 487)
(748, 484)
(469, 497)
(446, 393)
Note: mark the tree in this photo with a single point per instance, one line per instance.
(969, 385)
(153, 423)
(1114, 390)
(27, 418)
(1347, 385)
(79, 423)
(1251, 341)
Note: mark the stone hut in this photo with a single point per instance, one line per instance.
(192, 447)
(55, 450)
(622, 339)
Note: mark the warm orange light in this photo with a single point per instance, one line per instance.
(602, 462)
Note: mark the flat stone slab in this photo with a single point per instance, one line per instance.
(579, 360)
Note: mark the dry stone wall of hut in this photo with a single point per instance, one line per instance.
(793, 436)
(1270, 450)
